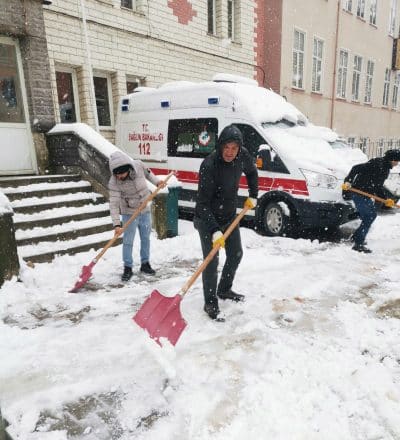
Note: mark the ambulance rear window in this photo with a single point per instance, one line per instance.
(192, 137)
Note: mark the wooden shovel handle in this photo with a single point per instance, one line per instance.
(133, 216)
(213, 251)
(363, 193)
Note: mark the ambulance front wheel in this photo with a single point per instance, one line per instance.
(276, 219)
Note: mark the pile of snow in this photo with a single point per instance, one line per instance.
(264, 105)
(315, 346)
(88, 134)
(5, 205)
(308, 152)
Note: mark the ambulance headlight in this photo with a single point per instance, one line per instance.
(319, 179)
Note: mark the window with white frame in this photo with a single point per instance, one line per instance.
(368, 81)
(102, 91)
(392, 18)
(211, 17)
(361, 8)
(351, 141)
(372, 11)
(67, 91)
(347, 5)
(355, 87)
(342, 74)
(129, 4)
(386, 88)
(318, 49)
(298, 59)
(396, 87)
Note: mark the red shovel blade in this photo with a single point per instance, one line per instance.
(161, 317)
(83, 277)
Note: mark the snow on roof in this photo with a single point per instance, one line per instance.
(265, 105)
(88, 134)
(257, 103)
(5, 205)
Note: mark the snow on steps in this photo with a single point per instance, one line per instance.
(56, 215)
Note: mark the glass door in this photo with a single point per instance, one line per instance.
(16, 146)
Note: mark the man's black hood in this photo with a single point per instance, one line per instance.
(392, 155)
(229, 134)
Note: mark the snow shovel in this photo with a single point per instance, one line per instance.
(371, 196)
(87, 270)
(160, 315)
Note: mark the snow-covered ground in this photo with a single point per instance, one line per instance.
(313, 353)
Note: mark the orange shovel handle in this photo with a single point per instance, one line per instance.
(371, 196)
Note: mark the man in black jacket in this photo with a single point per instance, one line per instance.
(370, 177)
(219, 178)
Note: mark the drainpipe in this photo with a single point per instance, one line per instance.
(89, 61)
(335, 65)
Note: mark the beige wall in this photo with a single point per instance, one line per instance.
(319, 18)
(148, 44)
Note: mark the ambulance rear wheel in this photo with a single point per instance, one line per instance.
(275, 221)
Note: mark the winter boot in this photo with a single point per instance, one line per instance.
(233, 296)
(361, 248)
(127, 275)
(213, 312)
(146, 268)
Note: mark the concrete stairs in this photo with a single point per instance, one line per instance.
(56, 215)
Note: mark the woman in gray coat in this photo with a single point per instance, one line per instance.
(128, 189)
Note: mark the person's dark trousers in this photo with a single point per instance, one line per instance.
(234, 253)
(367, 211)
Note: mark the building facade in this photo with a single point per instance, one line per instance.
(333, 60)
(72, 61)
(123, 44)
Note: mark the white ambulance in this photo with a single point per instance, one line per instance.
(175, 126)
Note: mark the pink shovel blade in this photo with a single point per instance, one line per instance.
(161, 317)
(83, 277)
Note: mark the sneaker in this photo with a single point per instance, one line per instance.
(233, 296)
(127, 275)
(214, 313)
(361, 248)
(146, 268)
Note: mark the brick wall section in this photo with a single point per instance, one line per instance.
(273, 44)
(12, 18)
(260, 54)
(149, 43)
(24, 19)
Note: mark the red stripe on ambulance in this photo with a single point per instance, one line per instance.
(292, 186)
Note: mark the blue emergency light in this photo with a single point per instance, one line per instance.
(213, 100)
(164, 104)
(125, 105)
